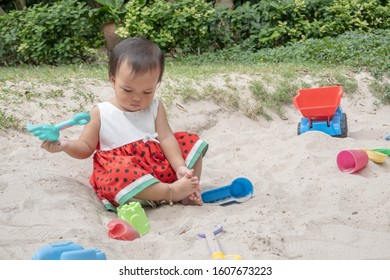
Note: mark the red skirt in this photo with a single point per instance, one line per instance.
(120, 174)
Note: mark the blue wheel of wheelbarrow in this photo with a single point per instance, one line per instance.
(241, 187)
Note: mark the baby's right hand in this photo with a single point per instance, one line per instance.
(182, 171)
(53, 146)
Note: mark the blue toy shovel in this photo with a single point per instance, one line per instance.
(52, 132)
(239, 191)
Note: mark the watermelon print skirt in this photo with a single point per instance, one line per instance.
(120, 174)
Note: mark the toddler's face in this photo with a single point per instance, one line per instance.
(134, 93)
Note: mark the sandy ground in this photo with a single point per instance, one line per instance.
(303, 206)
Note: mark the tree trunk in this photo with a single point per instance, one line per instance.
(2, 13)
(20, 4)
(110, 37)
(228, 3)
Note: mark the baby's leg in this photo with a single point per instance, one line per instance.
(195, 198)
(198, 167)
(179, 190)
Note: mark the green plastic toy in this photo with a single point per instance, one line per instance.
(383, 151)
(134, 214)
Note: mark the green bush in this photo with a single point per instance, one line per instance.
(235, 27)
(355, 15)
(295, 20)
(355, 48)
(65, 32)
(191, 26)
(48, 34)
(9, 36)
(177, 25)
(287, 20)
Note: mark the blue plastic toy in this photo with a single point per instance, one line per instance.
(52, 132)
(337, 126)
(387, 137)
(321, 111)
(68, 251)
(239, 191)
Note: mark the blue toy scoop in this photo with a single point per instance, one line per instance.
(52, 132)
(240, 190)
(67, 250)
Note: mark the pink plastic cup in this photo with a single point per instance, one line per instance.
(352, 161)
(119, 229)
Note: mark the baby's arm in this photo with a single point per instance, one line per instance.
(172, 152)
(168, 142)
(84, 146)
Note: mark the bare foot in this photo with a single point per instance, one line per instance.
(185, 187)
(193, 199)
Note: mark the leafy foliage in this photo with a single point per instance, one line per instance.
(172, 25)
(57, 34)
(67, 30)
(196, 25)
(357, 48)
(296, 20)
(110, 10)
(236, 27)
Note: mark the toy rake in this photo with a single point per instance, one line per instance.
(215, 250)
(52, 132)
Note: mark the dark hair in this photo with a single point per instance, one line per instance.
(139, 53)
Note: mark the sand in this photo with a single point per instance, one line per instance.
(303, 207)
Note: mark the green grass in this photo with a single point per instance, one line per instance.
(8, 121)
(381, 91)
(59, 75)
(271, 86)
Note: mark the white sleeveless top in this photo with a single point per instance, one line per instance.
(118, 128)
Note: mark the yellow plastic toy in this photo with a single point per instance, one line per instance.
(375, 156)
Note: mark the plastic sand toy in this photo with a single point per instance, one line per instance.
(134, 215)
(383, 151)
(240, 190)
(376, 156)
(352, 161)
(321, 111)
(121, 230)
(214, 248)
(67, 251)
(52, 132)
